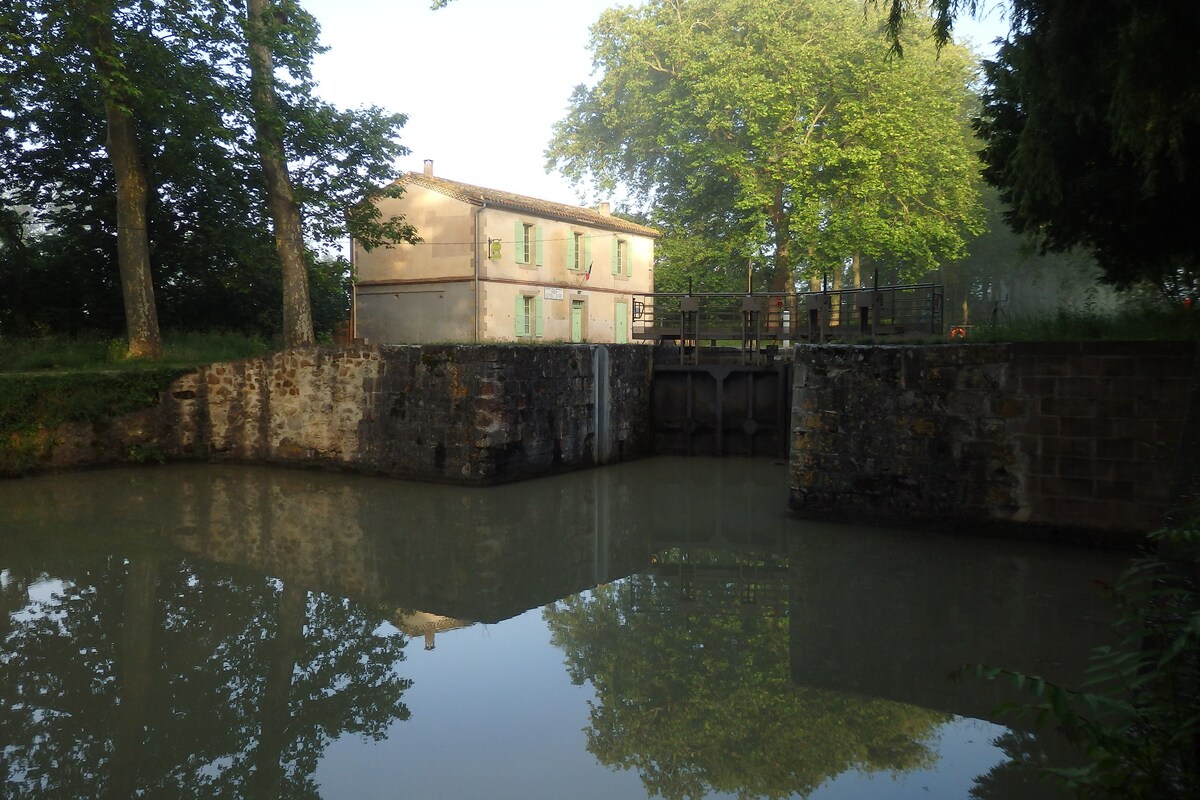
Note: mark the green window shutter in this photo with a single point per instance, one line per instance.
(537, 252)
(587, 253)
(571, 250)
(519, 239)
(613, 255)
(519, 316)
(628, 260)
(537, 315)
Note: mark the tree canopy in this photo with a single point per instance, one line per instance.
(187, 74)
(782, 132)
(1092, 132)
(1093, 138)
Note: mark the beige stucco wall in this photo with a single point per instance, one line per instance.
(426, 292)
(408, 313)
(446, 227)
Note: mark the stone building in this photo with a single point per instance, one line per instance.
(500, 266)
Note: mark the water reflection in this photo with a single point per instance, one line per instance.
(702, 702)
(198, 631)
(138, 673)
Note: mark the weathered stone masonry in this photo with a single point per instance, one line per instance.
(1065, 436)
(454, 413)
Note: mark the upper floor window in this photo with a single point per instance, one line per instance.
(575, 249)
(528, 239)
(620, 258)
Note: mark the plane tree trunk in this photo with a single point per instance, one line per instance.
(281, 200)
(124, 153)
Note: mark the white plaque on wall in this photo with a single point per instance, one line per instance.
(553, 293)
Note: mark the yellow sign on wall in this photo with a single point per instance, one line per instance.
(493, 248)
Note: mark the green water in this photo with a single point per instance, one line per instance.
(657, 628)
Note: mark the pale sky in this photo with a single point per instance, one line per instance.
(482, 81)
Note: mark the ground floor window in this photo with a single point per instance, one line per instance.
(527, 315)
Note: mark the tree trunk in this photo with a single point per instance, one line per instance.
(133, 240)
(13, 238)
(783, 276)
(281, 201)
(782, 279)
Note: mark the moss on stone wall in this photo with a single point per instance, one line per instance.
(34, 405)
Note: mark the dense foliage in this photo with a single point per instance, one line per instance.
(786, 134)
(1092, 129)
(1093, 139)
(1135, 719)
(186, 77)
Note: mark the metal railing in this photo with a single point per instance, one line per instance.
(758, 321)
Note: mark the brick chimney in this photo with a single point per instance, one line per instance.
(429, 168)
(605, 209)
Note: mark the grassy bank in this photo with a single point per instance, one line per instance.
(1132, 323)
(48, 381)
(182, 351)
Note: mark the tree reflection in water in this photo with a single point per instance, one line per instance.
(700, 702)
(179, 632)
(156, 676)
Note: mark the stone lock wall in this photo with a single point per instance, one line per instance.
(472, 414)
(1064, 436)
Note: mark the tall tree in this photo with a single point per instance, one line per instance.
(206, 211)
(785, 128)
(1092, 131)
(1092, 138)
(118, 92)
(94, 38)
(262, 22)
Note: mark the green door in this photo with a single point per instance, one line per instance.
(621, 328)
(576, 320)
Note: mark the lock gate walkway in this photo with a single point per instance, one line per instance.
(722, 366)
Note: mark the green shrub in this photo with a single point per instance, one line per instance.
(1137, 717)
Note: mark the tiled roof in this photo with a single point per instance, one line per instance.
(544, 208)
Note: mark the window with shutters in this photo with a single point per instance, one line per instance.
(575, 251)
(528, 238)
(527, 315)
(621, 265)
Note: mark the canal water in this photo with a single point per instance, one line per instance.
(657, 628)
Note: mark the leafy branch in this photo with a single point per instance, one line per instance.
(1136, 718)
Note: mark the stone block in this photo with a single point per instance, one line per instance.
(1086, 426)
(1073, 406)
(1088, 386)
